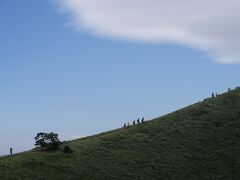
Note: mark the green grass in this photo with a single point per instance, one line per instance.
(199, 142)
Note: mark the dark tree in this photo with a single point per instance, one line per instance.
(47, 140)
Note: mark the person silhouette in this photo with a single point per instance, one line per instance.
(134, 122)
(143, 120)
(11, 151)
(124, 125)
(138, 121)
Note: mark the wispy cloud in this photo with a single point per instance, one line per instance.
(212, 26)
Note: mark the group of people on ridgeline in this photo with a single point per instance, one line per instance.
(126, 125)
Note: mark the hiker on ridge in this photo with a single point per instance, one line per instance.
(138, 120)
(11, 151)
(142, 120)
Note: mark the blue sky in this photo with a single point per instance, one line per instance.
(56, 77)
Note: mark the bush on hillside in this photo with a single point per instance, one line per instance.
(47, 140)
(67, 149)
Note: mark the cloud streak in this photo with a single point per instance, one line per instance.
(212, 26)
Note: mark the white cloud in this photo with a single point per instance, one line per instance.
(211, 25)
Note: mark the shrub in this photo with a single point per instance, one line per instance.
(67, 149)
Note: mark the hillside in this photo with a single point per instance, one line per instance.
(199, 142)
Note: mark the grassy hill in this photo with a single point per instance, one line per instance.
(199, 142)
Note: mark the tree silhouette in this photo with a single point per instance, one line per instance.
(47, 140)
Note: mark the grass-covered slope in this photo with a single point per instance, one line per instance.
(201, 142)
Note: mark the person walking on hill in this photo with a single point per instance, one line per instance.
(11, 151)
(138, 120)
(124, 125)
(134, 122)
(142, 120)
